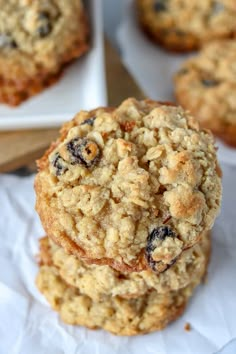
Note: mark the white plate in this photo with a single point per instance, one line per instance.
(81, 87)
(154, 67)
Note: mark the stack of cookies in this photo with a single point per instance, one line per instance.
(37, 39)
(127, 197)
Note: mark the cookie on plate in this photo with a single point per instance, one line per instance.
(206, 86)
(100, 281)
(37, 39)
(183, 25)
(143, 314)
(131, 187)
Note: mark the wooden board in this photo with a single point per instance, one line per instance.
(22, 148)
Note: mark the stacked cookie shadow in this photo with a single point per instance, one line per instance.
(127, 197)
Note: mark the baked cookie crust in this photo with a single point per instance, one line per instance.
(206, 86)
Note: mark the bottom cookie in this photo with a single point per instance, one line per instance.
(144, 314)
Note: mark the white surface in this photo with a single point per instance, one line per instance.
(28, 325)
(82, 86)
(226, 154)
(154, 67)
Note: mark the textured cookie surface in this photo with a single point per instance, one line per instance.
(100, 281)
(131, 187)
(206, 85)
(184, 25)
(144, 314)
(37, 38)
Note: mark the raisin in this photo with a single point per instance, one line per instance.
(13, 44)
(45, 26)
(89, 121)
(209, 82)
(43, 16)
(59, 164)
(84, 151)
(44, 30)
(6, 41)
(160, 5)
(159, 233)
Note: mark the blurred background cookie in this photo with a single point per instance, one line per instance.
(37, 39)
(183, 25)
(206, 86)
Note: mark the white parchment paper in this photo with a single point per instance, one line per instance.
(28, 325)
(153, 67)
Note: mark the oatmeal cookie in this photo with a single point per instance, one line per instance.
(183, 25)
(131, 187)
(100, 281)
(37, 39)
(206, 86)
(144, 314)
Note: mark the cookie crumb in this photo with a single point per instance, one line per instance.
(187, 327)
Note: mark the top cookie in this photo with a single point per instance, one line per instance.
(184, 25)
(37, 38)
(131, 186)
(206, 85)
